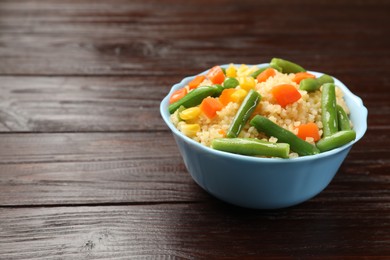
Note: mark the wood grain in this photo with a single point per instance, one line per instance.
(101, 168)
(88, 170)
(81, 104)
(150, 38)
(112, 104)
(94, 147)
(211, 230)
(146, 47)
(132, 181)
(90, 147)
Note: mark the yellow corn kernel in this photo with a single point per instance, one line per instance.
(247, 83)
(190, 113)
(231, 71)
(190, 130)
(251, 70)
(238, 95)
(242, 71)
(245, 70)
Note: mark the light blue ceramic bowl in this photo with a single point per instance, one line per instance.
(264, 183)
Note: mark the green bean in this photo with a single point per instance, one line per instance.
(325, 79)
(263, 124)
(257, 72)
(195, 97)
(342, 118)
(220, 88)
(249, 104)
(276, 67)
(286, 66)
(230, 83)
(336, 140)
(328, 108)
(311, 84)
(251, 146)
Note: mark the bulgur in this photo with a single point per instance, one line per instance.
(306, 109)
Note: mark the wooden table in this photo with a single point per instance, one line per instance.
(88, 170)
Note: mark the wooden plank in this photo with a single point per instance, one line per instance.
(63, 104)
(160, 181)
(148, 180)
(90, 147)
(104, 104)
(97, 168)
(202, 230)
(117, 38)
(67, 169)
(94, 147)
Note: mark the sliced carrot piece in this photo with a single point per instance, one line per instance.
(226, 96)
(216, 75)
(222, 132)
(263, 76)
(257, 110)
(196, 81)
(177, 95)
(302, 75)
(210, 106)
(309, 130)
(285, 94)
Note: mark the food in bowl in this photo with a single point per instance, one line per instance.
(259, 182)
(280, 110)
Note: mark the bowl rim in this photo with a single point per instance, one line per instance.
(359, 132)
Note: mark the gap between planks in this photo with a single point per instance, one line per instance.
(102, 204)
(90, 132)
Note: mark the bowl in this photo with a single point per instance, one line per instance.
(264, 183)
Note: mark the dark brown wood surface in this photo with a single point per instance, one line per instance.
(88, 170)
